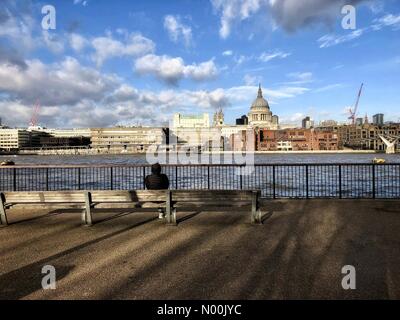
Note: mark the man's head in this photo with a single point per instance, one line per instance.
(156, 168)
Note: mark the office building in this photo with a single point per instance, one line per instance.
(378, 119)
(191, 121)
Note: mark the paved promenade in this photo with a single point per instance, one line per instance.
(298, 253)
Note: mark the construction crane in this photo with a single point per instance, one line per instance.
(353, 112)
(35, 115)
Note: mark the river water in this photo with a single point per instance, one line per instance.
(141, 159)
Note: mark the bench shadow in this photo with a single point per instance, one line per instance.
(187, 217)
(21, 282)
(266, 216)
(116, 214)
(47, 215)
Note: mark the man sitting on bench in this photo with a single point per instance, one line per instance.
(157, 181)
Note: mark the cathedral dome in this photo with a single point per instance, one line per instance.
(260, 102)
(260, 114)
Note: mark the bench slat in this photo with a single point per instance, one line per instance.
(133, 196)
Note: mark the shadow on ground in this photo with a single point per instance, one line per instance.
(298, 252)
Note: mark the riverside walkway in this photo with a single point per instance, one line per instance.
(298, 252)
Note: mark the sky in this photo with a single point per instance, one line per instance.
(123, 62)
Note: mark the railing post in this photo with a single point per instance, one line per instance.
(79, 179)
(274, 181)
(208, 177)
(373, 182)
(307, 195)
(111, 178)
(47, 179)
(241, 177)
(176, 177)
(14, 179)
(340, 181)
(144, 177)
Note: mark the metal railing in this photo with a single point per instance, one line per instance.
(343, 181)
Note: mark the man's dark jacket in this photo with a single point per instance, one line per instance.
(157, 180)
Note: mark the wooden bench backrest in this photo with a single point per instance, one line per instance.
(212, 195)
(45, 197)
(129, 196)
(79, 196)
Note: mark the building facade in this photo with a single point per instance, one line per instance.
(191, 121)
(127, 139)
(378, 119)
(307, 123)
(16, 139)
(298, 139)
(366, 136)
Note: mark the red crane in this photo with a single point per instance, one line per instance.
(35, 115)
(353, 113)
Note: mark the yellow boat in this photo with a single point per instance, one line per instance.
(379, 161)
(7, 163)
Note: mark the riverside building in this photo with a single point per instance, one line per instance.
(127, 139)
(16, 139)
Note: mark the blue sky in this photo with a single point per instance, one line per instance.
(137, 62)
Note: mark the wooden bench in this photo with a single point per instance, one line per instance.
(205, 200)
(86, 200)
(168, 200)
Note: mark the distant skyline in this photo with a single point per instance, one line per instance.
(136, 62)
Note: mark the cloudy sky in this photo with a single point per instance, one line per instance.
(137, 62)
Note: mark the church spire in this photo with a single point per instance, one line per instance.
(259, 91)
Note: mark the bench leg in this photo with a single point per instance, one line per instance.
(3, 215)
(170, 214)
(172, 219)
(87, 213)
(256, 214)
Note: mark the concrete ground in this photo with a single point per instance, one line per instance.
(298, 253)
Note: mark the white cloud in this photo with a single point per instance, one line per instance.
(301, 77)
(177, 30)
(388, 20)
(330, 40)
(288, 14)
(267, 56)
(227, 53)
(292, 119)
(66, 82)
(108, 47)
(329, 87)
(17, 28)
(77, 42)
(53, 42)
(172, 70)
(232, 10)
(75, 96)
(82, 2)
(250, 80)
(293, 14)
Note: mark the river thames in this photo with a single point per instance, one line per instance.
(278, 158)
